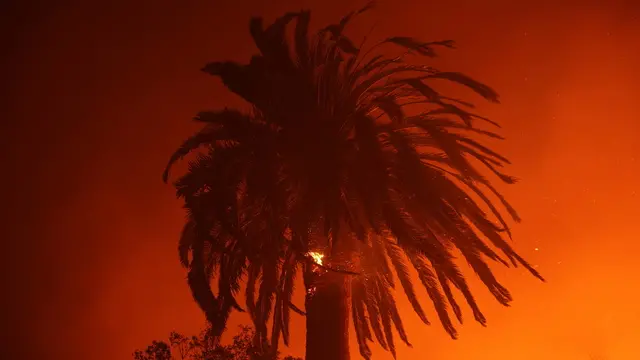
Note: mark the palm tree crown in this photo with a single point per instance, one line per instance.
(346, 153)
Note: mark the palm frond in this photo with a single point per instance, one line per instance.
(402, 272)
(420, 47)
(358, 314)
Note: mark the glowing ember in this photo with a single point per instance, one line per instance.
(316, 256)
(311, 291)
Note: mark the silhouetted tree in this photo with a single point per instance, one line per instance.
(350, 166)
(201, 347)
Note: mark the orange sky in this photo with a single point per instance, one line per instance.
(99, 96)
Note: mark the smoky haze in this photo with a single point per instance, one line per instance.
(99, 95)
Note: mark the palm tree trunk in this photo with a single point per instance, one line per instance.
(327, 317)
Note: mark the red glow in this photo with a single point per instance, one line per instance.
(102, 96)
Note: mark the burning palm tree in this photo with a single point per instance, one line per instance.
(349, 167)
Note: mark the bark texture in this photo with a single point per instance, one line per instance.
(327, 318)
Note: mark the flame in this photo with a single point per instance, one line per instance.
(316, 256)
(311, 291)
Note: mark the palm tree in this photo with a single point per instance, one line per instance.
(349, 167)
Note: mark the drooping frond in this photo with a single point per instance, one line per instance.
(402, 272)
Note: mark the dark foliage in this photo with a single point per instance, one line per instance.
(201, 347)
(353, 154)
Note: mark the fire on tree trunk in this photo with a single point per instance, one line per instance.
(327, 315)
